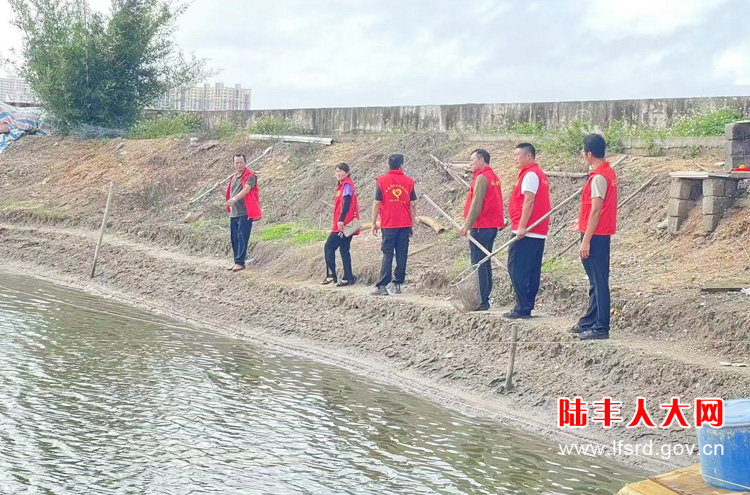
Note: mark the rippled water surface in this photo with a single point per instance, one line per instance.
(93, 402)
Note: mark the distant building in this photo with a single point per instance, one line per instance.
(16, 90)
(206, 97)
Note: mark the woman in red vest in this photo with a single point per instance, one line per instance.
(345, 210)
(243, 207)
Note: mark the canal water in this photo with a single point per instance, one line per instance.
(98, 397)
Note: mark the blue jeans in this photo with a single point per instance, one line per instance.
(525, 270)
(597, 268)
(240, 228)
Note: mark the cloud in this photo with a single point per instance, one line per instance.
(734, 64)
(617, 18)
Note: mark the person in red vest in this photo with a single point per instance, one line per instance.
(243, 207)
(345, 210)
(529, 202)
(597, 223)
(483, 215)
(394, 204)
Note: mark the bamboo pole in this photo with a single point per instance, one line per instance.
(209, 191)
(101, 231)
(511, 358)
(620, 205)
(455, 224)
(432, 223)
(450, 172)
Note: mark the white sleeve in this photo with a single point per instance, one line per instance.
(530, 183)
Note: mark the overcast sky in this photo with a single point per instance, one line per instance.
(337, 53)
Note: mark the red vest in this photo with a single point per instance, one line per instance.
(252, 203)
(608, 221)
(338, 205)
(491, 215)
(395, 206)
(541, 201)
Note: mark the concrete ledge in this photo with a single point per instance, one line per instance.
(680, 207)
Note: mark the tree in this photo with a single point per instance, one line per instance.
(90, 68)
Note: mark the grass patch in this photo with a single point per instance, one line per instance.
(562, 267)
(459, 266)
(295, 233)
(176, 125)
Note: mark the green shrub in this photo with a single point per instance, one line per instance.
(175, 125)
(568, 141)
(535, 128)
(273, 126)
(228, 130)
(707, 124)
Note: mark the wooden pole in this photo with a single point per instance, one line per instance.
(450, 172)
(101, 231)
(511, 358)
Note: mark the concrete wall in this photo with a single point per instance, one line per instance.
(478, 118)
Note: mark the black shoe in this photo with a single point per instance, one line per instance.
(577, 329)
(483, 307)
(512, 315)
(593, 335)
(380, 291)
(396, 288)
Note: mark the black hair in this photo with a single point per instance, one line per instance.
(482, 154)
(343, 166)
(527, 147)
(242, 155)
(595, 144)
(395, 161)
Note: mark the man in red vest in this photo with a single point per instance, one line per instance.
(394, 203)
(483, 215)
(529, 202)
(597, 223)
(243, 208)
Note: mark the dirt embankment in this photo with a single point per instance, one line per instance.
(668, 338)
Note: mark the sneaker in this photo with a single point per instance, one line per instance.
(577, 329)
(483, 307)
(380, 291)
(512, 315)
(397, 288)
(593, 335)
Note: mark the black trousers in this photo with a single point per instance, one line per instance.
(525, 270)
(597, 268)
(395, 241)
(239, 228)
(485, 237)
(343, 244)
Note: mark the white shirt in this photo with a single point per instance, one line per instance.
(531, 184)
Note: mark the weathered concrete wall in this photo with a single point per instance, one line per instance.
(479, 118)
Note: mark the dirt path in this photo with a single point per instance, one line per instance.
(418, 343)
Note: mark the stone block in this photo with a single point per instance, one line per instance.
(715, 205)
(731, 188)
(710, 222)
(737, 130)
(737, 147)
(714, 186)
(674, 224)
(679, 207)
(684, 189)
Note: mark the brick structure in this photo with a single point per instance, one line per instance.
(737, 146)
(718, 190)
